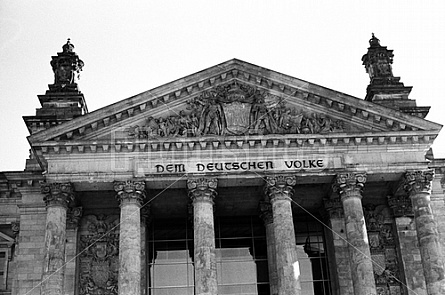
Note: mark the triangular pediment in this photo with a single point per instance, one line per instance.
(233, 99)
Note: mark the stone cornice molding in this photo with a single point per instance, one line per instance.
(265, 212)
(279, 187)
(418, 181)
(349, 184)
(406, 139)
(130, 191)
(57, 194)
(202, 189)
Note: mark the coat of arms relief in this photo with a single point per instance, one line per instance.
(236, 109)
(383, 250)
(99, 255)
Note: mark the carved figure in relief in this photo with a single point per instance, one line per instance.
(260, 118)
(235, 109)
(213, 119)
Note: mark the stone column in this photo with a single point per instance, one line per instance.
(418, 185)
(350, 186)
(337, 247)
(279, 189)
(57, 197)
(130, 195)
(411, 269)
(202, 192)
(266, 215)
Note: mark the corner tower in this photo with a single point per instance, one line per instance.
(62, 101)
(384, 88)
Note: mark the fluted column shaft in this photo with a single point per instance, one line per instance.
(202, 192)
(279, 190)
(267, 216)
(130, 195)
(350, 186)
(57, 197)
(418, 185)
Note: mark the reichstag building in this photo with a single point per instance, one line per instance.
(233, 180)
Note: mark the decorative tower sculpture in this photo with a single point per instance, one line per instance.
(384, 88)
(66, 67)
(62, 101)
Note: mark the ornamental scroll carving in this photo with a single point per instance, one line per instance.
(383, 249)
(57, 194)
(99, 255)
(235, 109)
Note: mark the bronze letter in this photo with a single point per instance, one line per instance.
(159, 168)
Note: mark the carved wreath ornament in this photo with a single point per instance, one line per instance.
(235, 109)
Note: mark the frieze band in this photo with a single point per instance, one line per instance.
(240, 166)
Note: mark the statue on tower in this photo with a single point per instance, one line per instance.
(383, 86)
(378, 60)
(66, 67)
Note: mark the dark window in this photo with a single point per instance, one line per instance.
(170, 255)
(312, 255)
(241, 256)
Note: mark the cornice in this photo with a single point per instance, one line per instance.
(126, 111)
(369, 139)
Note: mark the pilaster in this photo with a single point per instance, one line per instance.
(337, 247)
(265, 212)
(411, 264)
(202, 192)
(145, 222)
(279, 190)
(349, 186)
(130, 195)
(418, 185)
(74, 214)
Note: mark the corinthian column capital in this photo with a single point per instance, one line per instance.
(130, 191)
(418, 181)
(280, 187)
(203, 189)
(57, 194)
(349, 185)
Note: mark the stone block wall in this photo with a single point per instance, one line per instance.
(29, 257)
(30, 250)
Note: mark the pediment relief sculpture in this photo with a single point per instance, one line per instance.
(236, 109)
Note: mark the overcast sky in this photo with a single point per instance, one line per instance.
(134, 46)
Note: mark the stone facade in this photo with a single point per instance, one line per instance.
(233, 180)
